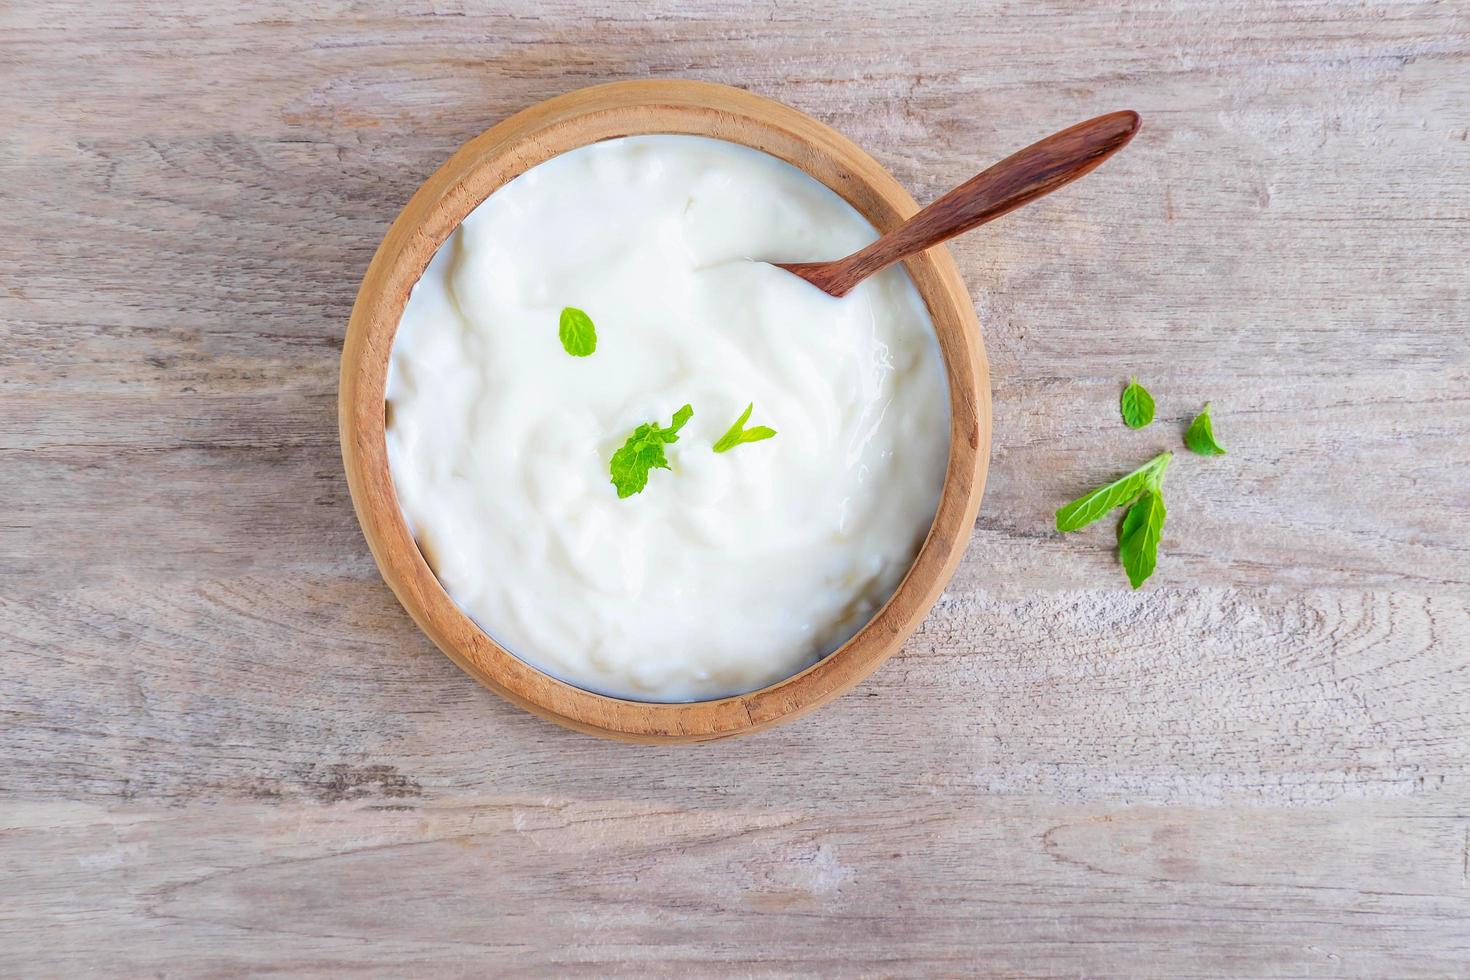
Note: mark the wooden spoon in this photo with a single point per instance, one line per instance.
(1019, 179)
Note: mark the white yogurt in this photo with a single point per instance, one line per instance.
(730, 571)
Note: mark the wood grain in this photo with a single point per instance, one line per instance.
(225, 749)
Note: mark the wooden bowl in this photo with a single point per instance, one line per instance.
(509, 149)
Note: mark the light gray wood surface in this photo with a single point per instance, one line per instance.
(224, 748)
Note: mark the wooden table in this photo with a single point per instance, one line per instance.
(226, 749)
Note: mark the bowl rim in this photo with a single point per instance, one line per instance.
(511, 147)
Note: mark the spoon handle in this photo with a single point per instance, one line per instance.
(1019, 179)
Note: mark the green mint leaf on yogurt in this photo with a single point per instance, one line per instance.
(1201, 435)
(1137, 405)
(644, 451)
(578, 335)
(1138, 536)
(1096, 503)
(739, 434)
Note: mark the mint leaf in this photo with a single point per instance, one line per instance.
(1137, 405)
(1201, 435)
(1094, 504)
(1138, 536)
(644, 451)
(578, 335)
(738, 434)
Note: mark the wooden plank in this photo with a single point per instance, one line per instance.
(225, 749)
(255, 687)
(546, 884)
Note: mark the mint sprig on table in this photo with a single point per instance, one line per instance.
(1137, 405)
(1139, 533)
(1142, 491)
(1200, 438)
(738, 434)
(643, 452)
(1097, 503)
(577, 333)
